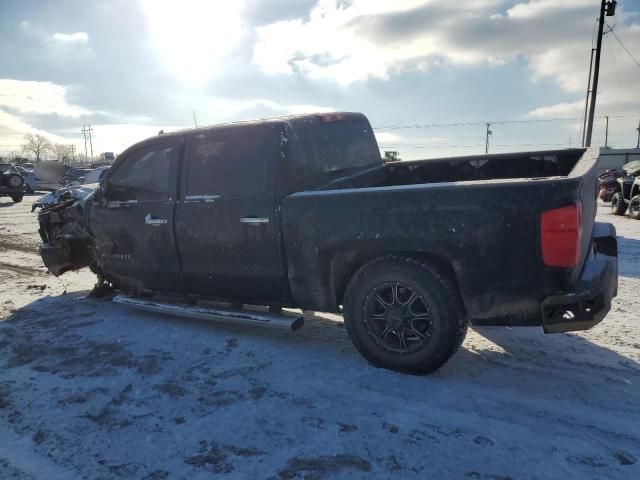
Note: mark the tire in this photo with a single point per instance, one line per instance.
(17, 198)
(13, 181)
(634, 208)
(618, 207)
(378, 300)
(29, 189)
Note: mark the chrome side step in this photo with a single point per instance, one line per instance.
(290, 321)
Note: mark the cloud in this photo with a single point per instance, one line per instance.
(559, 110)
(345, 43)
(29, 97)
(77, 37)
(22, 101)
(371, 39)
(349, 42)
(60, 47)
(324, 48)
(13, 129)
(619, 86)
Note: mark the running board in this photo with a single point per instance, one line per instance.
(292, 322)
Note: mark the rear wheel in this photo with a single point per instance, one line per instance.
(634, 208)
(404, 314)
(618, 207)
(17, 198)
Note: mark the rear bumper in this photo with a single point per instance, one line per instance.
(598, 284)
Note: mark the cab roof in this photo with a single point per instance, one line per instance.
(292, 121)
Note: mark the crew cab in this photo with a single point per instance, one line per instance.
(302, 212)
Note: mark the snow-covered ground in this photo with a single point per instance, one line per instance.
(90, 389)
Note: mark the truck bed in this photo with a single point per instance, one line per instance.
(477, 216)
(527, 165)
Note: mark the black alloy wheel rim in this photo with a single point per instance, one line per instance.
(398, 318)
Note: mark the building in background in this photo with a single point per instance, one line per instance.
(616, 157)
(107, 157)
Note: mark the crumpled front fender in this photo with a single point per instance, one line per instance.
(67, 242)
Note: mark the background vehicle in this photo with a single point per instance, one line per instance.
(49, 175)
(30, 179)
(608, 181)
(94, 176)
(627, 187)
(11, 182)
(78, 189)
(73, 175)
(302, 212)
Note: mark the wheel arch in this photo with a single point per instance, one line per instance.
(344, 266)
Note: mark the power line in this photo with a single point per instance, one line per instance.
(623, 45)
(494, 122)
(504, 145)
(472, 124)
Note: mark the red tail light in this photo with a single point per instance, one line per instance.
(561, 232)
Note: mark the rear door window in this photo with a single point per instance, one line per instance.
(229, 162)
(335, 147)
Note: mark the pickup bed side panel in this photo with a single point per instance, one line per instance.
(487, 232)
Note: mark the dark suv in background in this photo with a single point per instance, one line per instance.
(11, 182)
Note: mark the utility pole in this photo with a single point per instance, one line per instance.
(638, 144)
(606, 133)
(607, 8)
(86, 131)
(91, 144)
(486, 145)
(586, 102)
(195, 122)
(84, 134)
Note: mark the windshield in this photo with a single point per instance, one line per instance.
(333, 148)
(5, 168)
(94, 176)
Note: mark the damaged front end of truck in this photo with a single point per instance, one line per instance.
(67, 243)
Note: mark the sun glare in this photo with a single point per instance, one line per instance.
(193, 37)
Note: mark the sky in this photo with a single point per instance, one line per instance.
(429, 74)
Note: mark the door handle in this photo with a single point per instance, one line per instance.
(156, 222)
(254, 220)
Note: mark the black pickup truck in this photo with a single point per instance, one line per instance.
(302, 212)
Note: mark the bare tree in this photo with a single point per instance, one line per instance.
(37, 145)
(62, 152)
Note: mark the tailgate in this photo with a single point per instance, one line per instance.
(587, 171)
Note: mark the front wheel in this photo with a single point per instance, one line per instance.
(17, 198)
(404, 314)
(634, 208)
(618, 207)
